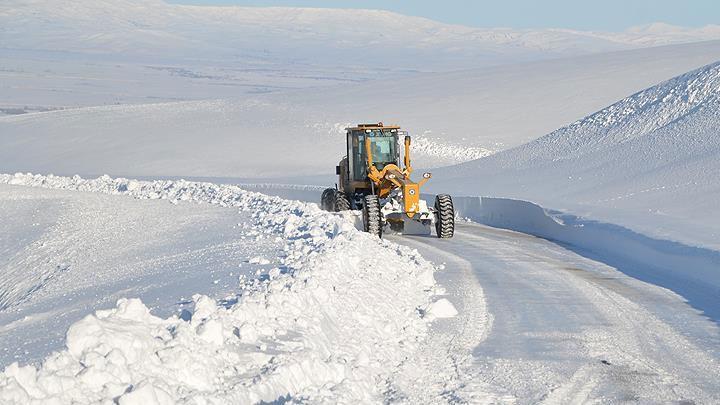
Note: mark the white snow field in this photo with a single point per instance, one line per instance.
(118, 291)
(454, 117)
(334, 315)
(68, 253)
(67, 54)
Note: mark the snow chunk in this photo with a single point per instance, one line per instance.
(259, 260)
(441, 308)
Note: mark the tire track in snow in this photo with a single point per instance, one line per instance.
(443, 367)
(567, 329)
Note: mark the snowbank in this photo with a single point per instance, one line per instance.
(329, 324)
(692, 272)
(647, 162)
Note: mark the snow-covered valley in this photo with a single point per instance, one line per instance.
(454, 117)
(585, 266)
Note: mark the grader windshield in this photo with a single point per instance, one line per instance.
(383, 146)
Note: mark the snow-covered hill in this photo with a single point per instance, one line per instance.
(454, 117)
(647, 162)
(58, 54)
(137, 27)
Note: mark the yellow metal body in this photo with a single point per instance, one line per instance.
(391, 177)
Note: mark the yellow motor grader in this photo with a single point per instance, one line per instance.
(370, 179)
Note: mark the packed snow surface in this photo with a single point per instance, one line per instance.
(564, 329)
(327, 323)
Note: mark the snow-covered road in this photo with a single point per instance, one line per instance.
(561, 328)
(342, 317)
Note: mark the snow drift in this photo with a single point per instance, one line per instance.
(630, 185)
(644, 163)
(692, 272)
(329, 324)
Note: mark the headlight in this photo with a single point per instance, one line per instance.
(390, 176)
(412, 191)
(427, 175)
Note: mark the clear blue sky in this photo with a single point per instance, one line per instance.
(606, 15)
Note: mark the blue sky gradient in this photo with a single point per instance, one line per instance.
(604, 15)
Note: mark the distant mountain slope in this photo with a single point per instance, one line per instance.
(649, 161)
(142, 28)
(63, 53)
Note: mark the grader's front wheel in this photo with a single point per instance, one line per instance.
(372, 220)
(444, 216)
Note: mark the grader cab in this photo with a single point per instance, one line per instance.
(371, 179)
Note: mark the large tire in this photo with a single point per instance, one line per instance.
(372, 220)
(341, 202)
(327, 200)
(444, 216)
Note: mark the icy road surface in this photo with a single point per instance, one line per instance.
(553, 326)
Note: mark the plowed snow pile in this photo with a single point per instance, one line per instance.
(648, 162)
(329, 324)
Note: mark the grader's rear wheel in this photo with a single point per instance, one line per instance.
(444, 216)
(372, 220)
(327, 200)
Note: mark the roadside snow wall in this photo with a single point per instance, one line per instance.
(330, 325)
(692, 272)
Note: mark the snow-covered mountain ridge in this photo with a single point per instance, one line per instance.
(638, 115)
(142, 27)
